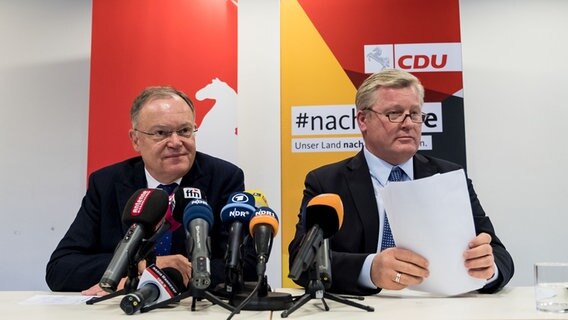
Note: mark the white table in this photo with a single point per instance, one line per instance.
(12, 308)
(511, 303)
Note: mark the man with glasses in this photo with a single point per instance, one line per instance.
(364, 256)
(163, 133)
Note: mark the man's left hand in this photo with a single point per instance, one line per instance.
(479, 259)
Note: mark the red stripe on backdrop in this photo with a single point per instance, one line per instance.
(346, 26)
(138, 43)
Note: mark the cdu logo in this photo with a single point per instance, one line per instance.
(428, 57)
(378, 57)
(413, 57)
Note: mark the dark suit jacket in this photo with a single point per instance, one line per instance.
(358, 236)
(85, 251)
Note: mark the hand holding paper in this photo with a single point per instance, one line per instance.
(432, 217)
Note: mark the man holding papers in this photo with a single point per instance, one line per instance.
(365, 256)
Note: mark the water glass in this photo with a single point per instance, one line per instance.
(551, 286)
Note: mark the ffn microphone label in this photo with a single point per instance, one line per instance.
(192, 193)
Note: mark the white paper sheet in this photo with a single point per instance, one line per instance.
(432, 217)
(57, 299)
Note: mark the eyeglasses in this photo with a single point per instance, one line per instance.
(398, 117)
(160, 134)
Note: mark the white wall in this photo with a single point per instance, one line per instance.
(44, 89)
(514, 61)
(259, 109)
(514, 68)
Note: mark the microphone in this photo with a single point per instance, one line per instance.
(178, 202)
(259, 198)
(323, 216)
(197, 221)
(182, 197)
(155, 286)
(142, 212)
(323, 263)
(237, 213)
(173, 218)
(263, 228)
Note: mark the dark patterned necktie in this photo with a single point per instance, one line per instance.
(164, 244)
(388, 240)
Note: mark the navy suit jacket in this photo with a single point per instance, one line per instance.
(85, 251)
(358, 236)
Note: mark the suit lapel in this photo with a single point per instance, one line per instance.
(422, 167)
(361, 188)
(196, 177)
(126, 187)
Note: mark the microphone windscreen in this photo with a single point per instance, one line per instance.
(176, 278)
(146, 207)
(198, 209)
(259, 198)
(264, 215)
(182, 197)
(325, 210)
(239, 207)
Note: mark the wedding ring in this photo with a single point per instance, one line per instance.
(397, 277)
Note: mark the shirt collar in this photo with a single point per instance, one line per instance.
(381, 169)
(153, 183)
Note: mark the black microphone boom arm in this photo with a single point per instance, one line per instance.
(307, 252)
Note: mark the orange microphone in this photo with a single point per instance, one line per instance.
(263, 227)
(326, 211)
(259, 198)
(323, 217)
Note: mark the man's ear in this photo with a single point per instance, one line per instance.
(134, 139)
(362, 120)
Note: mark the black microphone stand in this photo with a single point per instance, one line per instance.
(199, 294)
(196, 294)
(131, 281)
(262, 299)
(234, 278)
(316, 290)
(234, 282)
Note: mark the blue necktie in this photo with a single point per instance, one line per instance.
(164, 244)
(388, 240)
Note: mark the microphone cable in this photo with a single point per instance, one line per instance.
(247, 299)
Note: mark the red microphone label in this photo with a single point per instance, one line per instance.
(139, 203)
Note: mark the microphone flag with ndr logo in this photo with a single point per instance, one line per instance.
(323, 62)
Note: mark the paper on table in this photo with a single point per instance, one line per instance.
(432, 217)
(56, 299)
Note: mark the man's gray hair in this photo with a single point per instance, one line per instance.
(388, 78)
